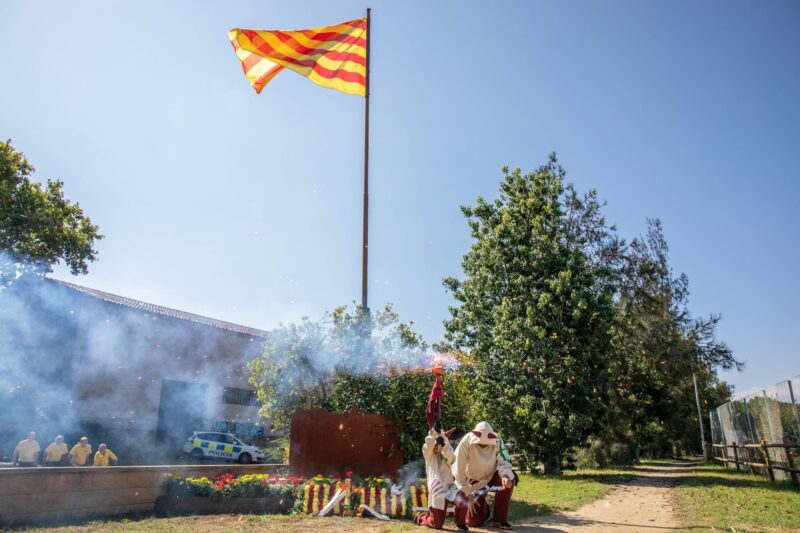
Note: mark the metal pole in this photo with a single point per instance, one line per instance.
(711, 425)
(769, 421)
(365, 236)
(749, 420)
(700, 419)
(721, 425)
(794, 407)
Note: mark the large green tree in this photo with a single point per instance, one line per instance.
(38, 226)
(658, 347)
(535, 312)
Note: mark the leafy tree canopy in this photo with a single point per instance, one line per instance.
(38, 226)
(658, 346)
(535, 310)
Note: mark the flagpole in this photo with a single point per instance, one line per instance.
(365, 236)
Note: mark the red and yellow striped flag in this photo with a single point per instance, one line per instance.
(331, 56)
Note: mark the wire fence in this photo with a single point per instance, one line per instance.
(771, 416)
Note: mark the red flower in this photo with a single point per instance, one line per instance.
(348, 473)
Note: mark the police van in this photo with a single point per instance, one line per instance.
(209, 444)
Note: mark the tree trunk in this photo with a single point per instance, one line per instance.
(551, 467)
(677, 450)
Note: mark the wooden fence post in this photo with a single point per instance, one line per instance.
(790, 460)
(767, 460)
(749, 453)
(725, 455)
(736, 457)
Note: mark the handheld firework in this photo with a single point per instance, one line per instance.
(433, 411)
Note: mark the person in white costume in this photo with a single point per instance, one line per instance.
(481, 462)
(438, 455)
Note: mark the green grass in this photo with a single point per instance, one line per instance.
(539, 495)
(714, 497)
(244, 523)
(224, 523)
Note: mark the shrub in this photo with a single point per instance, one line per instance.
(601, 454)
(401, 397)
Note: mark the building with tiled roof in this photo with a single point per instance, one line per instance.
(163, 311)
(138, 376)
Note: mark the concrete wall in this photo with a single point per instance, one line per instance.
(50, 494)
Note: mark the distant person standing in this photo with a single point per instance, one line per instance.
(81, 452)
(104, 456)
(56, 453)
(27, 451)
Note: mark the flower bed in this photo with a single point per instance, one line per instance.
(262, 493)
(251, 493)
(230, 486)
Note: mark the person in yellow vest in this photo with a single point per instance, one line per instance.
(27, 451)
(80, 452)
(104, 456)
(56, 452)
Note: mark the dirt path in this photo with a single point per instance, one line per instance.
(644, 504)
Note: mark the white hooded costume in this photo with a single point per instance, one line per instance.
(474, 466)
(438, 469)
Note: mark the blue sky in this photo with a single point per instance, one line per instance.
(247, 207)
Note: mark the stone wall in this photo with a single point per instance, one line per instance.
(54, 494)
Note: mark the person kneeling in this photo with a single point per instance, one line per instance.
(438, 456)
(481, 463)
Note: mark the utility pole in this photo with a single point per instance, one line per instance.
(700, 419)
